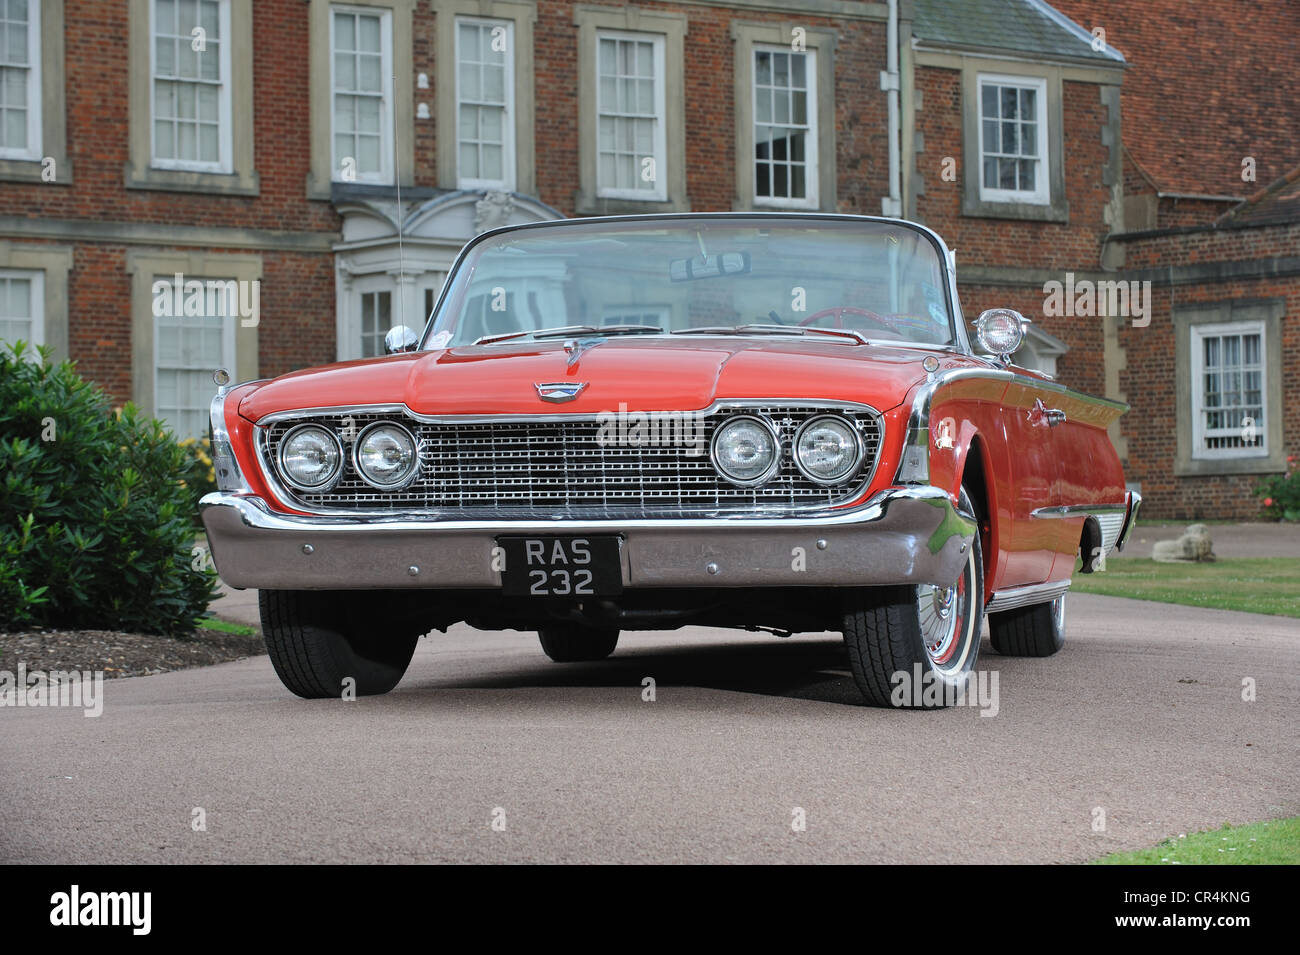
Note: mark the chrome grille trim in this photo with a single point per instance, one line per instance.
(551, 466)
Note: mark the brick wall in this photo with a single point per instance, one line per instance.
(1148, 379)
(1207, 85)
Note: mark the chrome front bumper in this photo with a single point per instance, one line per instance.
(903, 535)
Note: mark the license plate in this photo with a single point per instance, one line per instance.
(561, 566)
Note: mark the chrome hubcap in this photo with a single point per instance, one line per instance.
(936, 609)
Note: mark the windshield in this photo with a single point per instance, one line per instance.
(878, 280)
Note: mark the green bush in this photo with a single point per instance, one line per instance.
(1280, 493)
(96, 522)
(199, 477)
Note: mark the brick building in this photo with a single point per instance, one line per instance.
(339, 154)
(1211, 219)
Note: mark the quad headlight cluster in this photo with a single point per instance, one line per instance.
(746, 450)
(311, 457)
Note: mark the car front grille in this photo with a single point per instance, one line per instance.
(555, 466)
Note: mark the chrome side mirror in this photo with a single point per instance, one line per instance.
(1000, 331)
(400, 338)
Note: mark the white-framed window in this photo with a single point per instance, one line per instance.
(630, 150)
(375, 311)
(190, 85)
(22, 306)
(187, 349)
(361, 94)
(785, 127)
(485, 104)
(20, 79)
(1013, 139)
(1229, 406)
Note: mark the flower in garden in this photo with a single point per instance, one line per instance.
(1268, 502)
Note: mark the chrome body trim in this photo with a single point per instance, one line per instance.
(225, 466)
(907, 535)
(1077, 510)
(1014, 597)
(1109, 519)
(918, 422)
(1132, 504)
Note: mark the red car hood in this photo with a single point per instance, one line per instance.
(669, 374)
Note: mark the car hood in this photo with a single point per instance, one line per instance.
(642, 373)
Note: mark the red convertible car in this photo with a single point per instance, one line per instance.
(767, 422)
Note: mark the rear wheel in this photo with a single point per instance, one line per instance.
(1035, 631)
(915, 646)
(574, 643)
(318, 640)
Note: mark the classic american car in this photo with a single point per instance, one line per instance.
(773, 422)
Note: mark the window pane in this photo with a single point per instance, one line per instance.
(1029, 139)
(369, 34)
(1008, 95)
(1006, 174)
(370, 74)
(345, 31)
(991, 140)
(989, 101)
(1028, 175)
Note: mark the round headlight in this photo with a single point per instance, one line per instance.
(385, 456)
(1000, 331)
(827, 450)
(311, 458)
(745, 451)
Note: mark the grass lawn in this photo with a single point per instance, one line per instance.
(1255, 584)
(1261, 843)
(225, 626)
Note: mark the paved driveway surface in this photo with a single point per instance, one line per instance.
(1140, 716)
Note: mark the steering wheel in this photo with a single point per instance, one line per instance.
(839, 311)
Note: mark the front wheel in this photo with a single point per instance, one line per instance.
(915, 646)
(1035, 631)
(319, 640)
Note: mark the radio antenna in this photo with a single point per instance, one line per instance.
(397, 175)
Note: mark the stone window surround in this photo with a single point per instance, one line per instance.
(589, 21)
(54, 130)
(56, 262)
(1057, 209)
(321, 177)
(242, 180)
(523, 15)
(144, 265)
(746, 36)
(1268, 311)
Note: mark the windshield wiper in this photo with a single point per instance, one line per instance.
(760, 329)
(566, 330)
